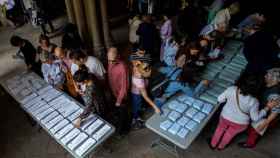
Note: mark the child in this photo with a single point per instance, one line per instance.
(139, 91)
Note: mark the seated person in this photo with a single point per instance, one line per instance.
(91, 94)
(52, 72)
(180, 79)
(270, 95)
(29, 53)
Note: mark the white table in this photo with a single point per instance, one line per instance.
(56, 112)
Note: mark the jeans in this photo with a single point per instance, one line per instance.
(137, 101)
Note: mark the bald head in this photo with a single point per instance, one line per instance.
(59, 53)
(112, 54)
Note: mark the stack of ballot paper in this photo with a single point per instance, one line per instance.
(85, 147)
(191, 112)
(181, 108)
(101, 132)
(183, 133)
(183, 121)
(207, 108)
(64, 131)
(191, 125)
(174, 115)
(94, 126)
(59, 126)
(197, 104)
(173, 104)
(77, 141)
(199, 117)
(174, 129)
(189, 100)
(165, 125)
(71, 135)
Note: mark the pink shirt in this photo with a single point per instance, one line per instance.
(118, 80)
(137, 84)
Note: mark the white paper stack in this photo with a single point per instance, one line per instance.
(173, 104)
(165, 125)
(77, 141)
(183, 121)
(207, 108)
(88, 121)
(191, 112)
(54, 121)
(50, 117)
(101, 132)
(85, 146)
(36, 106)
(174, 129)
(182, 98)
(199, 117)
(164, 112)
(44, 90)
(189, 100)
(198, 104)
(191, 125)
(32, 102)
(94, 126)
(70, 136)
(181, 108)
(41, 110)
(64, 131)
(28, 98)
(75, 115)
(44, 113)
(59, 126)
(68, 109)
(174, 115)
(183, 133)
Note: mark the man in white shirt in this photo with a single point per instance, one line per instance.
(92, 63)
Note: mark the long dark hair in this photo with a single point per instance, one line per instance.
(249, 84)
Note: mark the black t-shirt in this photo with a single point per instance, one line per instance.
(29, 53)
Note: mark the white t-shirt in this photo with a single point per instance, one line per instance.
(248, 104)
(94, 66)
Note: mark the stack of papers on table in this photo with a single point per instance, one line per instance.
(191, 125)
(64, 131)
(191, 112)
(189, 101)
(183, 121)
(207, 108)
(94, 126)
(54, 121)
(85, 146)
(101, 132)
(199, 117)
(174, 116)
(197, 104)
(174, 129)
(77, 141)
(173, 104)
(181, 108)
(183, 133)
(59, 126)
(165, 125)
(71, 135)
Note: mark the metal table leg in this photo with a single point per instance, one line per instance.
(169, 147)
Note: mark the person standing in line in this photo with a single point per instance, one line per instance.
(165, 34)
(118, 78)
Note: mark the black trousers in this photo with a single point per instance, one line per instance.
(122, 119)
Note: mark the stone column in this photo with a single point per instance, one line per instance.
(94, 27)
(70, 11)
(81, 19)
(105, 24)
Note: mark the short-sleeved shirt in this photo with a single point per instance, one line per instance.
(137, 84)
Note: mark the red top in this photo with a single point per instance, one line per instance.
(118, 80)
